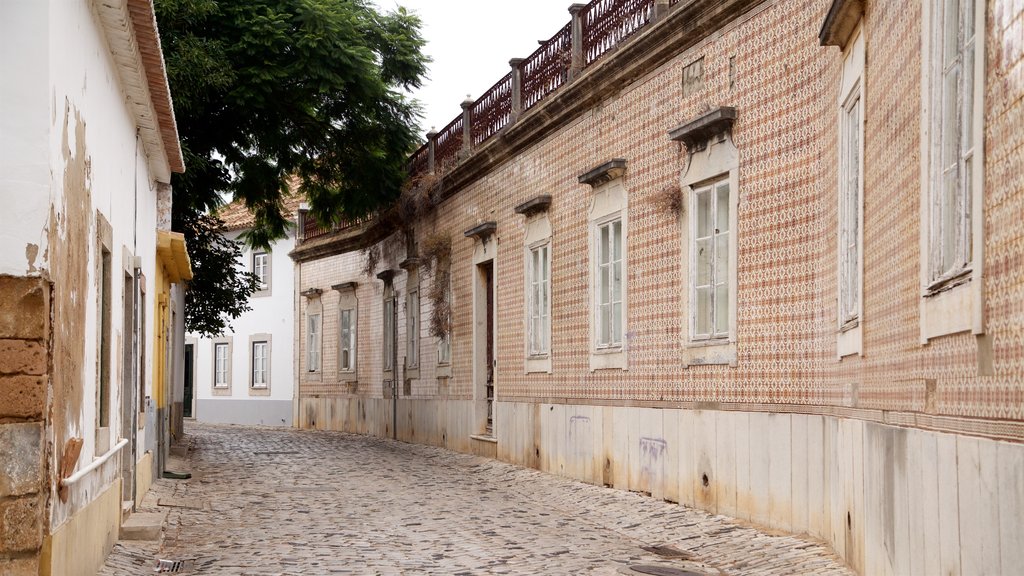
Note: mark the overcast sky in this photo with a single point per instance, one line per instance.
(471, 42)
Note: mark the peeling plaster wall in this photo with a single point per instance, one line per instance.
(96, 166)
(69, 153)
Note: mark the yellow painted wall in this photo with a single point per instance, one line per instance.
(161, 325)
(143, 477)
(80, 545)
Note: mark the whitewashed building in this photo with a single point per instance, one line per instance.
(245, 376)
(90, 276)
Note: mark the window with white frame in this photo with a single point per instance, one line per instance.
(444, 342)
(709, 261)
(952, 168)
(539, 278)
(313, 342)
(260, 364)
(849, 215)
(412, 326)
(607, 231)
(444, 349)
(261, 268)
(221, 365)
(709, 185)
(347, 359)
(609, 284)
(955, 83)
(851, 170)
(389, 332)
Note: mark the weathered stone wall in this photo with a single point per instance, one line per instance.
(24, 396)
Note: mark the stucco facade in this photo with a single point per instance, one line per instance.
(89, 141)
(895, 437)
(233, 398)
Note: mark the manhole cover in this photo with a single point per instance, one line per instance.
(656, 570)
(668, 552)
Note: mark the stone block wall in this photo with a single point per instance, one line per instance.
(24, 392)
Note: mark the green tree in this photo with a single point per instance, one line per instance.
(214, 298)
(267, 90)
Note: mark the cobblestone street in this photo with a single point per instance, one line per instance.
(272, 501)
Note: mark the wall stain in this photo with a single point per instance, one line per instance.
(31, 252)
(69, 247)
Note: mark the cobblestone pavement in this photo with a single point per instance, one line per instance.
(267, 501)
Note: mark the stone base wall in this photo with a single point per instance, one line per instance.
(888, 499)
(231, 411)
(24, 388)
(444, 423)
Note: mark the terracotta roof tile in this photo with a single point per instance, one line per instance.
(237, 217)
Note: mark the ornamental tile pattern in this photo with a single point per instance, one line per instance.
(785, 91)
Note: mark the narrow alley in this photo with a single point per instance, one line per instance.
(272, 501)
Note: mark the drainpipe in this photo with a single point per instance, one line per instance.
(394, 364)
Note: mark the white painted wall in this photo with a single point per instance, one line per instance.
(25, 110)
(56, 66)
(271, 314)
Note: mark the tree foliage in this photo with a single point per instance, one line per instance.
(269, 90)
(213, 296)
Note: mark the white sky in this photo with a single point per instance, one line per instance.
(471, 42)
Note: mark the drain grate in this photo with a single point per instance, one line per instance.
(174, 566)
(655, 570)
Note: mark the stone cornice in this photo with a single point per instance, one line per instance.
(533, 205)
(697, 131)
(840, 22)
(606, 172)
(481, 231)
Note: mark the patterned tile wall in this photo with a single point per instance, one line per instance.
(786, 89)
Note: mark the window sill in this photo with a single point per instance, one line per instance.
(262, 293)
(222, 391)
(537, 365)
(412, 373)
(947, 312)
(443, 370)
(608, 359)
(951, 282)
(709, 353)
(262, 391)
(849, 341)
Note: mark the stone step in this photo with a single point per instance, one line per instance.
(143, 526)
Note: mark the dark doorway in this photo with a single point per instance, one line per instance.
(483, 346)
(189, 383)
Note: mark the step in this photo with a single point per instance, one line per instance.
(143, 526)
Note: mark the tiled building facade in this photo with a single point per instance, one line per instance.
(812, 336)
